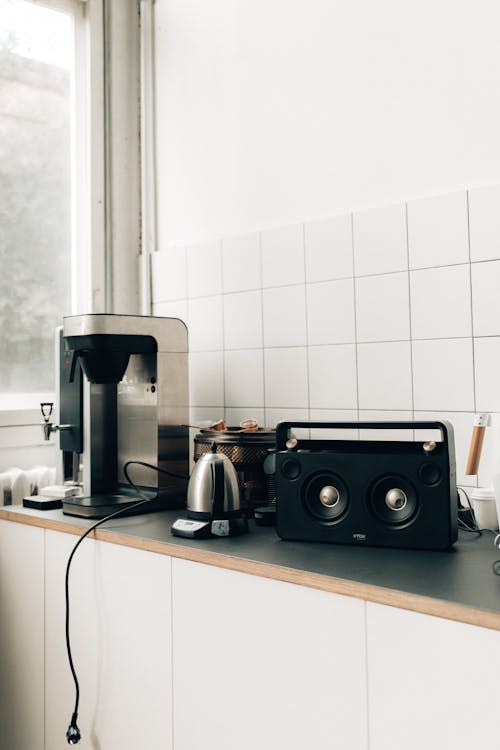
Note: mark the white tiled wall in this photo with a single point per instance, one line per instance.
(382, 314)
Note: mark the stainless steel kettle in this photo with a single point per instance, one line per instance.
(213, 490)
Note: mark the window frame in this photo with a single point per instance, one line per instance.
(95, 127)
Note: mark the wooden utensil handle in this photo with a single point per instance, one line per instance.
(476, 444)
(476, 447)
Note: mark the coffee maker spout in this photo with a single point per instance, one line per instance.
(47, 426)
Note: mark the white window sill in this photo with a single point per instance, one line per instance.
(22, 408)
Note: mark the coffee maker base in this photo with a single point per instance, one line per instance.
(100, 506)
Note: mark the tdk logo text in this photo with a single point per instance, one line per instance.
(359, 537)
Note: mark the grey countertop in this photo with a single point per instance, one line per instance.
(461, 578)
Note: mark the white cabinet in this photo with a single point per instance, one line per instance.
(21, 637)
(264, 664)
(176, 655)
(432, 683)
(121, 638)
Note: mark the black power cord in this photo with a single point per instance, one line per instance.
(495, 566)
(73, 734)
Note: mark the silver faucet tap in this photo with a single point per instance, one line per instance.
(48, 427)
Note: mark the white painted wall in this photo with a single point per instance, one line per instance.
(328, 180)
(271, 112)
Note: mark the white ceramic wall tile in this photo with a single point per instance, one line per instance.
(285, 373)
(203, 416)
(487, 363)
(443, 375)
(168, 274)
(369, 415)
(485, 296)
(382, 308)
(243, 320)
(237, 414)
(206, 379)
(462, 430)
(384, 376)
(205, 324)
(438, 231)
(423, 434)
(244, 378)
(332, 377)
(380, 240)
(286, 315)
(241, 266)
(330, 312)
(440, 302)
(273, 416)
(484, 223)
(329, 248)
(204, 268)
(334, 415)
(284, 311)
(283, 256)
(176, 309)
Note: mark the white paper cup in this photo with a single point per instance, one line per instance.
(495, 478)
(484, 505)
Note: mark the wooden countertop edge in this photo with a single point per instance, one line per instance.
(368, 592)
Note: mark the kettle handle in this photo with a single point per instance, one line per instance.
(218, 486)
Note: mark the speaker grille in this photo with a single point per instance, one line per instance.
(326, 497)
(393, 500)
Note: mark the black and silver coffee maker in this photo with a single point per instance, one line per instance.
(123, 396)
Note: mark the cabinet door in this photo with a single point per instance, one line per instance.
(265, 664)
(120, 631)
(21, 637)
(432, 683)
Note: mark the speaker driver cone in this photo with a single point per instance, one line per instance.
(396, 499)
(325, 497)
(329, 496)
(393, 500)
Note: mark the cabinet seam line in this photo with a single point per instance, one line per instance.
(172, 649)
(367, 682)
(44, 667)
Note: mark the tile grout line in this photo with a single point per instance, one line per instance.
(221, 296)
(356, 358)
(473, 343)
(262, 349)
(412, 372)
(306, 311)
(367, 679)
(45, 639)
(471, 303)
(346, 343)
(329, 280)
(190, 380)
(339, 408)
(340, 278)
(172, 651)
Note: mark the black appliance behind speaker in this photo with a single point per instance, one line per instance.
(367, 492)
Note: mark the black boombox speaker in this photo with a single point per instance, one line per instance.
(368, 492)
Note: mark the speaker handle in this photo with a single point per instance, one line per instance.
(445, 428)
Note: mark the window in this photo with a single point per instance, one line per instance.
(70, 212)
(36, 78)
